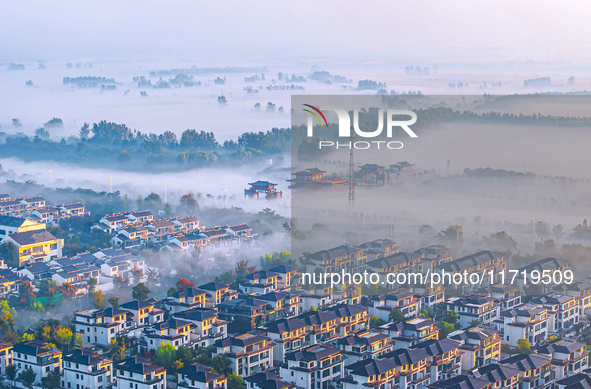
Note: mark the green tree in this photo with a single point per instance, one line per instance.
(114, 301)
(52, 380)
(98, 299)
(234, 381)
(445, 329)
(375, 322)
(124, 156)
(117, 348)
(140, 292)
(11, 371)
(63, 335)
(451, 317)
(9, 252)
(165, 355)
(396, 315)
(523, 346)
(27, 376)
(92, 285)
(170, 291)
(221, 364)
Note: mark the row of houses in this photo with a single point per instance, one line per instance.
(37, 209)
(185, 234)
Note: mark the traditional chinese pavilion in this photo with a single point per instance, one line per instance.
(262, 187)
(314, 177)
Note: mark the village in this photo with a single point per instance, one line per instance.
(265, 328)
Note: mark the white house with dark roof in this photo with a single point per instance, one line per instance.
(267, 380)
(186, 223)
(175, 332)
(288, 335)
(37, 356)
(566, 309)
(85, 368)
(207, 326)
(529, 321)
(198, 376)
(369, 344)
(100, 326)
(144, 312)
(405, 301)
(36, 245)
(315, 367)
(568, 356)
(139, 373)
(250, 352)
(379, 248)
(410, 332)
(472, 309)
(183, 300)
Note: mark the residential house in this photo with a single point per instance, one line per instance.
(433, 256)
(243, 314)
(250, 352)
(315, 367)
(568, 357)
(208, 327)
(100, 326)
(368, 344)
(37, 356)
(472, 310)
(35, 245)
(198, 376)
(529, 321)
(487, 342)
(139, 373)
(175, 332)
(288, 335)
(85, 368)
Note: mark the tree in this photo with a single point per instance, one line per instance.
(445, 329)
(451, 317)
(124, 156)
(28, 377)
(67, 289)
(137, 274)
(9, 252)
(235, 381)
(91, 284)
(114, 301)
(84, 131)
(396, 315)
(117, 348)
(221, 364)
(184, 284)
(165, 355)
(98, 299)
(140, 292)
(188, 205)
(52, 380)
(171, 291)
(25, 292)
(523, 346)
(375, 322)
(63, 335)
(11, 371)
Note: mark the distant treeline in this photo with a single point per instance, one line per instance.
(88, 81)
(496, 173)
(108, 144)
(195, 70)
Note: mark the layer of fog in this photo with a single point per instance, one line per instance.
(200, 182)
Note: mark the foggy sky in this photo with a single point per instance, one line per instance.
(259, 31)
